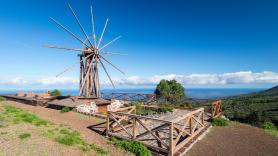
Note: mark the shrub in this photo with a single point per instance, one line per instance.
(2, 98)
(24, 136)
(133, 146)
(65, 109)
(54, 92)
(219, 122)
(165, 108)
(270, 128)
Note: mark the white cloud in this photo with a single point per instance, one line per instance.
(236, 78)
(242, 77)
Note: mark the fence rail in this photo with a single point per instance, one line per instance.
(162, 135)
(130, 96)
(216, 109)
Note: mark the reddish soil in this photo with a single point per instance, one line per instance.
(236, 140)
(76, 121)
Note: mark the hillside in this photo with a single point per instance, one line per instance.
(254, 108)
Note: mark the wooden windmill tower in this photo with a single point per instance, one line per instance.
(91, 57)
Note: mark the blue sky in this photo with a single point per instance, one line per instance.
(232, 43)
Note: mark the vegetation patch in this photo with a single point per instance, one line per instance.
(54, 92)
(219, 122)
(24, 136)
(133, 146)
(19, 115)
(163, 108)
(65, 109)
(2, 98)
(69, 138)
(141, 110)
(59, 133)
(270, 128)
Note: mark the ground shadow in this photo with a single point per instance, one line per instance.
(98, 128)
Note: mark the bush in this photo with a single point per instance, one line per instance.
(270, 128)
(2, 98)
(24, 136)
(219, 122)
(65, 109)
(163, 108)
(133, 146)
(54, 92)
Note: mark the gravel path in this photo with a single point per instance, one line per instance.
(236, 140)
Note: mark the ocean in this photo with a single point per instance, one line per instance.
(199, 93)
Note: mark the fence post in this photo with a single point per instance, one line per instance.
(107, 123)
(134, 129)
(171, 146)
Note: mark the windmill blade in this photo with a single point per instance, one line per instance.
(93, 27)
(110, 53)
(81, 27)
(112, 41)
(111, 64)
(72, 66)
(107, 73)
(70, 49)
(100, 39)
(68, 31)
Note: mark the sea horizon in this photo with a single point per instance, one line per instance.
(197, 93)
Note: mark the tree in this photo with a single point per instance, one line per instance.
(54, 92)
(170, 90)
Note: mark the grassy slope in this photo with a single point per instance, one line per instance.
(255, 108)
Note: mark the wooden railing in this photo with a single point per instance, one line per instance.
(130, 96)
(216, 109)
(160, 135)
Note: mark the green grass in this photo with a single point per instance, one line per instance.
(99, 150)
(2, 98)
(20, 115)
(58, 132)
(65, 109)
(133, 146)
(68, 137)
(24, 136)
(270, 128)
(219, 122)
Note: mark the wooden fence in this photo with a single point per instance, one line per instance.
(160, 135)
(130, 96)
(216, 109)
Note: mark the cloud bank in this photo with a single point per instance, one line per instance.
(236, 78)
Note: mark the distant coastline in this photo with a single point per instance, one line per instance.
(198, 93)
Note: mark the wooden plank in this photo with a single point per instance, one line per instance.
(142, 117)
(153, 130)
(182, 144)
(171, 146)
(187, 115)
(162, 142)
(134, 129)
(120, 125)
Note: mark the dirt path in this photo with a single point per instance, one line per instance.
(75, 120)
(236, 140)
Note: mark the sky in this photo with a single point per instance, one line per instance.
(216, 43)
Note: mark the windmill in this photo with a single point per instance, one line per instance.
(90, 58)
